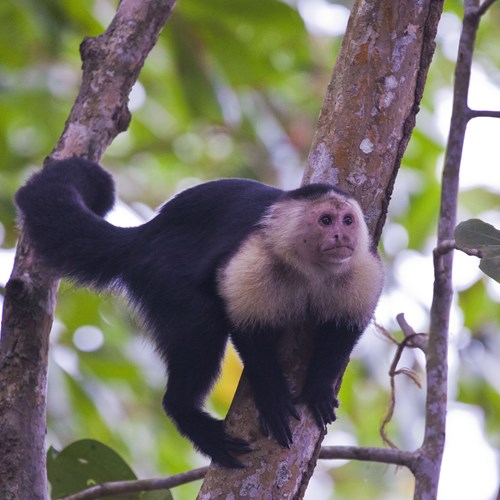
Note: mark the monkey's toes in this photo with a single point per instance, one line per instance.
(236, 445)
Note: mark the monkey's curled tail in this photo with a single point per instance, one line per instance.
(62, 209)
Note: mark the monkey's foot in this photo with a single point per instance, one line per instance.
(221, 446)
(209, 437)
(322, 403)
(274, 420)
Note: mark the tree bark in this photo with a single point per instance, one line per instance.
(111, 64)
(364, 127)
(372, 100)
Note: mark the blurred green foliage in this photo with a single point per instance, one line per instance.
(233, 89)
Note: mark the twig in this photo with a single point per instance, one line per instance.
(481, 10)
(447, 246)
(383, 455)
(413, 340)
(473, 252)
(476, 113)
(444, 247)
(136, 486)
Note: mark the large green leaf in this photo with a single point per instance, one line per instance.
(86, 463)
(83, 464)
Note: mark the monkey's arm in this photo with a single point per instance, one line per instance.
(334, 342)
(258, 350)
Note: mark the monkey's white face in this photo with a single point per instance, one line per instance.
(329, 233)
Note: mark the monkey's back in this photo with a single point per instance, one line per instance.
(176, 255)
(209, 221)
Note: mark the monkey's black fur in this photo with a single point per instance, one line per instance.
(168, 268)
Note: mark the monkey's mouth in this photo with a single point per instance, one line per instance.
(338, 251)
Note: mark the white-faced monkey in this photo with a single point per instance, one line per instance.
(230, 258)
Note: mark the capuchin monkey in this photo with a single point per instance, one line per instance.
(229, 258)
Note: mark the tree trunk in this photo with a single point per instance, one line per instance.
(111, 64)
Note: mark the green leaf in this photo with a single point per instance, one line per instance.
(491, 267)
(84, 464)
(474, 233)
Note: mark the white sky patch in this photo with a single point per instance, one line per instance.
(124, 216)
(470, 466)
(448, 34)
(6, 263)
(88, 338)
(465, 271)
(137, 97)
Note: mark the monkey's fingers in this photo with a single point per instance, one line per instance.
(236, 445)
(323, 409)
(276, 424)
(293, 410)
(224, 458)
(321, 402)
(264, 428)
(324, 415)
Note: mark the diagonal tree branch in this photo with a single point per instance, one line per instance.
(363, 129)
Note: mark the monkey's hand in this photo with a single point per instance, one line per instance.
(222, 447)
(322, 402)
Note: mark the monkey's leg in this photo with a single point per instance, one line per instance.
(257, 348)
(193, 361)
(333, 345)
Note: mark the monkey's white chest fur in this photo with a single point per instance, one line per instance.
(260, 288)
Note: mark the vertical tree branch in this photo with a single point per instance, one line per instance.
(111, 64)
(372, 100)
(431, 452)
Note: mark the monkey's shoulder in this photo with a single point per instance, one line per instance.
(258, 288)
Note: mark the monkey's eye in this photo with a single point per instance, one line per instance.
(325, 220)
(348, 219)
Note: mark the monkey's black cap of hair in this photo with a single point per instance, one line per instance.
(314, 191)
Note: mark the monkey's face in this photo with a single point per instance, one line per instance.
(330, 233)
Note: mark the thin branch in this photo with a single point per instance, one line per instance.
(410, 340)
(481, 10)
(473, 252)
(475, 113)
(137, 486)
(415, 339)
(369, 454)
(447, 246)
(444, 247)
